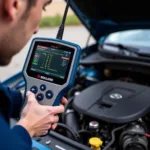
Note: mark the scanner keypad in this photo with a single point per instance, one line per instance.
(41, 92)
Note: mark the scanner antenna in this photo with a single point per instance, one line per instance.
(62, 26)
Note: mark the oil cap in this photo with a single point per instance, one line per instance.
(95, 143)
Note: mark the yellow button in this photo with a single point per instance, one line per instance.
(95, 142)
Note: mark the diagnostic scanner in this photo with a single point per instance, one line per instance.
(50, 69)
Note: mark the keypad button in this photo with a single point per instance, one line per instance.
(49, 94)
(43, 87)
(34, 89)
(40, 97)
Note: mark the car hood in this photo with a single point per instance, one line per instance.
(102, 17)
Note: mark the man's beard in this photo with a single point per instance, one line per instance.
(5, 58)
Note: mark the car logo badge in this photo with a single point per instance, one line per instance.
(116, 96)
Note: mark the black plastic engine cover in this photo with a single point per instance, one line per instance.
(114, 101)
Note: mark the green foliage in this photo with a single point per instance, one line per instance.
(55, 21)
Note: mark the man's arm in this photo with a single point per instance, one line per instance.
(16, 100)
(16, 138)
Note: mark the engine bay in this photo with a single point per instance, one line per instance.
(109, 100)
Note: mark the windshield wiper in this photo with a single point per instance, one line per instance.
(123, 47)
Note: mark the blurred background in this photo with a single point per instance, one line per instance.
(51, 19)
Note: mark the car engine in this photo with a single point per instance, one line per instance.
(114, 111)
(109, 100)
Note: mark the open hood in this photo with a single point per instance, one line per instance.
(102, 17)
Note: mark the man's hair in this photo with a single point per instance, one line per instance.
(31, 3)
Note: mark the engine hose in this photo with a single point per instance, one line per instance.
(70, 100)
(133, 133)
(113, 136)
(72, 121)
(74, 134)
(71, 91)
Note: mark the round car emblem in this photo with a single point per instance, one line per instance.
(116, 96)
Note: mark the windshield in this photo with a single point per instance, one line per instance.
(134, 38)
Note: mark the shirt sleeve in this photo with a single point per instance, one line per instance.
(16, 101)
(16, 138)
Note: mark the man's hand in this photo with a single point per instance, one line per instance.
(38, 119)
(64, 101)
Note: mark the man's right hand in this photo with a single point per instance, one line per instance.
(38, 119)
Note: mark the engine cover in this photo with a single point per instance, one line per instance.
(114, 101)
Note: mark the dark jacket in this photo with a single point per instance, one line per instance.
(16, 138)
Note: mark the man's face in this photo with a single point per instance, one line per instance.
(18, 25)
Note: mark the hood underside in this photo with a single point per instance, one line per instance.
(102, 17)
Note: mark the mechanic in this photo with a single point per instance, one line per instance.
(19, 20)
